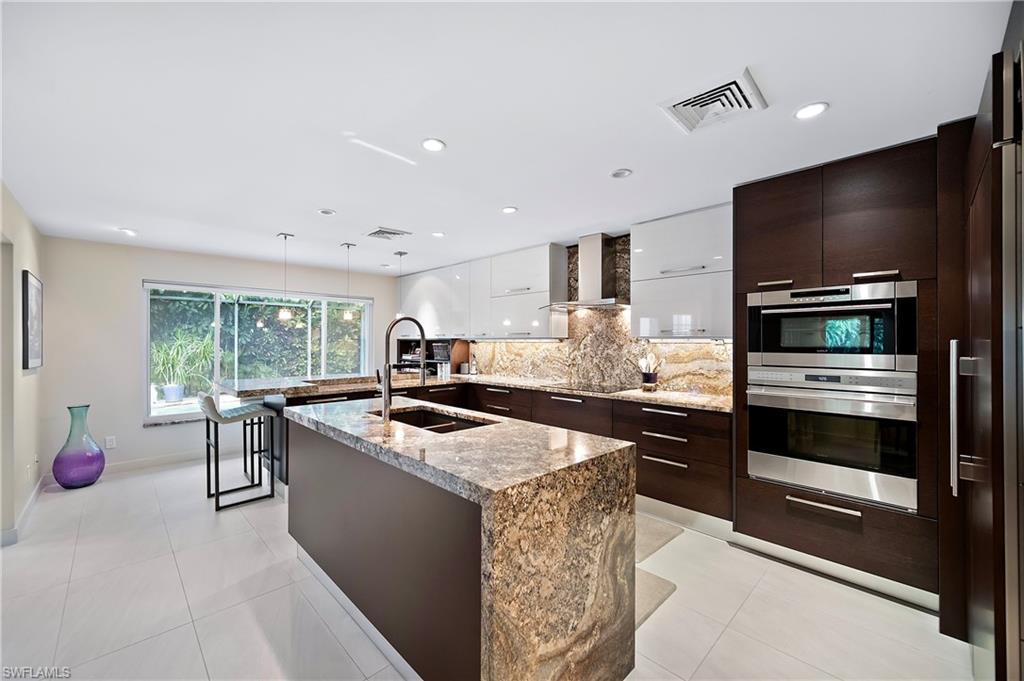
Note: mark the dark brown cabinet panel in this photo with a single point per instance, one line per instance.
(690, 483)
(675, 444)
(512, 411)
(671, 419)
(900, 546)
(452, 395)
(777, 232)
(338, 397)
(575, 412)
(480, 395)
(879, 214)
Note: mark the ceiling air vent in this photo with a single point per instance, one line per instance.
(388, 233)
(735, 97)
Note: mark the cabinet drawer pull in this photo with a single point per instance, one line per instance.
(519, 333)
(684, 333)
(498, 407)
(567, 399)
(441, 390)
(665, 461)
(327, 399)
(498, 390)
(676, 270)
(827, 507)
(879, 273)
(664, 437)
(521, 289)
(393, 393)
(777, 282)
(652, 410)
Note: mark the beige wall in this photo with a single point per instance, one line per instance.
(21, 406)
(95, 335)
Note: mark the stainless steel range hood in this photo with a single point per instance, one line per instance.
(595, 276)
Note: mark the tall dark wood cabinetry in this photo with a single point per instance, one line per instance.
(866, 218)
(777, 232)
(878, 214)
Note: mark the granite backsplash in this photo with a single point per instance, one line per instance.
(600, 349)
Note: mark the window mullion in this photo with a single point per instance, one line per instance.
(323, 338)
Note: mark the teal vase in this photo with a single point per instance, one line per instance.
(80, 462)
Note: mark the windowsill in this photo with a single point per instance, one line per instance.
(173, 420)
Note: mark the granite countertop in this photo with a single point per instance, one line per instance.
(475, 463)
(299, 387)
(672, 398)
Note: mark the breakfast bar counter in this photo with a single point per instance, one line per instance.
(500, 549)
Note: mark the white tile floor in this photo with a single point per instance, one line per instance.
(137, 577)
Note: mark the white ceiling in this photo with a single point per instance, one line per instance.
(212, 127)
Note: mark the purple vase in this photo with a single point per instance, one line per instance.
(80, 461)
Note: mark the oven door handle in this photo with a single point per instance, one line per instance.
(840, 308)
(897, 408)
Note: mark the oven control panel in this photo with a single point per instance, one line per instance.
(899, 382)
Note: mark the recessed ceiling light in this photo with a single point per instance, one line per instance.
(621, 173)
(508, 210)
(433, 144)
(811, 110)
(127, 232)
(327, 211)
(439, 235)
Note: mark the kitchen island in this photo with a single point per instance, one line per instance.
(501, 550)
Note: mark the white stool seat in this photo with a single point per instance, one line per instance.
(244, 412)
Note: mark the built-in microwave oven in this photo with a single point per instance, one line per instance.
(860, 326)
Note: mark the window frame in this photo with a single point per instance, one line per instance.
(365, 340)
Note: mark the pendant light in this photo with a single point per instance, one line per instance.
(347, 314)
(285, 313)
(400, 254)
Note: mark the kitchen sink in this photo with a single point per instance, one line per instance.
(434, 421)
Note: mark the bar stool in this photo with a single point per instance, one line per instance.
(254, 419)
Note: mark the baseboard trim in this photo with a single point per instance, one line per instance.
(10, 535)
(397, 661)
(723, 529)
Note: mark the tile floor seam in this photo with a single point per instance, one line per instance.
(340, 642)
(235, 605)
(199, 644)
(127, 645)
(67, 588)
(726, 627)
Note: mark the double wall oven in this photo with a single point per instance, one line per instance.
(832, 390)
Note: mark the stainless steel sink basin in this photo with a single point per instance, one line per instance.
(434, 421)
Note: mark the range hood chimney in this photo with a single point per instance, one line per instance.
(596, 276)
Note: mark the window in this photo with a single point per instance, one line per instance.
(201, 335)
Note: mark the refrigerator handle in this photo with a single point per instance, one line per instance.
(954, 375)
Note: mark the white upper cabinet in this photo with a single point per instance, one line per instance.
(692, 243)
(480, 298)
(456, 320)
(522, 316)
(459, 301)
(698, 306)
(531, 270)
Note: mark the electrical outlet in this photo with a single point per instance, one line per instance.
(110, 442)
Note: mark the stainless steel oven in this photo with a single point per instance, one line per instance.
(839, 431)
(860, 326)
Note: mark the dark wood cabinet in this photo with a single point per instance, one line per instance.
(879, 214)
(777, 232)
(691, 483)
(501, 400)
(900, 546)
(452, 395)
(573, 411)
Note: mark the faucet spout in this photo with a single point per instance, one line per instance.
(385, 389)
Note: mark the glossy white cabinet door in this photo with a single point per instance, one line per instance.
(422, 298)
(520, 317)
(456, 325)
(691, 243)
(480, 298)
(521, 272)
(699, 305)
